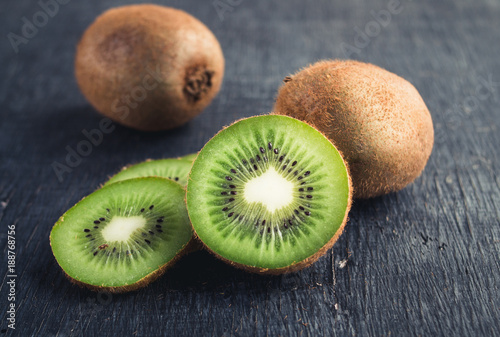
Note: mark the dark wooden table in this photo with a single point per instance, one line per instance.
(422, 262)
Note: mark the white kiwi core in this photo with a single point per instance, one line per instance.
(120, 228)
(270, 189)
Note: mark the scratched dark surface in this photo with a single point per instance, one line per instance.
(423, 261)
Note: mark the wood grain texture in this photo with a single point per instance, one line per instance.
(423, 261)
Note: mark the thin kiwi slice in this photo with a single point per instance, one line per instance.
(269, 194)
(175, 169)
(190, 157)
(123, 236)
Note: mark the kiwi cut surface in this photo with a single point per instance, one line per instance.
(121, 237)
(269, 194)
(174, 169)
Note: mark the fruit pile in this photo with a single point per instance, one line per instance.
(268, 194)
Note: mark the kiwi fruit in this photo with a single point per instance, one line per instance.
(377, 119)
(269, 194)
(149, 67)
(123, 236)
(174, 169)
(190, 157)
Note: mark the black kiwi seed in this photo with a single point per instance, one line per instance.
(301, 190)
(261, 150)
(233, 170)
(255, 167)
(225, 209)
(301, 208)
(176, 178)
(97, 222)
(231, 199)
(307, 173)
(147, 241)
(232, 186)
(300, 177)
(257, 157)
(159, 220)
(295, 211)
(294, 163)
(309, 188)
(96, 227)
(276, 151)
(86, 230)
(307, 213)
(230, 214)
(95, 253)
(234, 192)
(309, 196)
(223, 193)
(88, 235)
(263, 222)
(228, 178)
(151, 207)
(284, 167)
(142, 210)
(102, 219)
(270, 146)
(151, 232)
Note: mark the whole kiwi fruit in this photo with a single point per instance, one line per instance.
(377, 119)
(149, 67)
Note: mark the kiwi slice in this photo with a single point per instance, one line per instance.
(175, 169)
(123, 236)
(190, 157)
(269, 194)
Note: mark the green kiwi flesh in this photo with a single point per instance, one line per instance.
(377, 119)
(123, 236)
(175, 169)
(268, 194)
(190, 157)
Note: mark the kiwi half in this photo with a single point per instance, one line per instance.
(175, 169)
(377, 119)
(269, 194)
(123, 236)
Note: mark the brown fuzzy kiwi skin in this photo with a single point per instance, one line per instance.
(377, 119)
(149, 67)
(296, 266)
